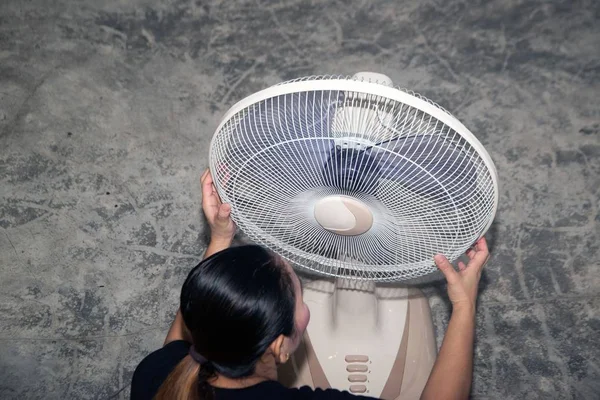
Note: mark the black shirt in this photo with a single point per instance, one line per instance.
(154, 369)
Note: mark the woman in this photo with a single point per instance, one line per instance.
(242, 314)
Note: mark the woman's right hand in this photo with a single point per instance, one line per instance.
(452, 372)
(463, 284)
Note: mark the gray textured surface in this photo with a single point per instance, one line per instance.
(106, 110)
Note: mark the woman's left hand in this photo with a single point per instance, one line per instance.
(217, 214)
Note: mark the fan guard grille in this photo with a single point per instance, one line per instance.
(429, 183)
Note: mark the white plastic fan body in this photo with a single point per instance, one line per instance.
(358, 182)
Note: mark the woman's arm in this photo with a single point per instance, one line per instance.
(216, 245)
(452, 372)
(222, 231)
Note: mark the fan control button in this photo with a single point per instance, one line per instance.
(358, 388)
(357, 368)
(353, 358)
(357, 378)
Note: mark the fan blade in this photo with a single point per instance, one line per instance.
(429, 165)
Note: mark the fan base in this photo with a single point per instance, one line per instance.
(373, 341)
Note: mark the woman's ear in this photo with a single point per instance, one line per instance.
(278, 350)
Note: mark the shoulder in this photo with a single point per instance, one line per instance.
(155, 367)
(169, 355)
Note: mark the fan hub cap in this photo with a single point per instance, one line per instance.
(343, 215)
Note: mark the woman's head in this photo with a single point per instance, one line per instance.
(240, 305)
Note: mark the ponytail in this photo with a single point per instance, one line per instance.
(188, 381)
(241, 289)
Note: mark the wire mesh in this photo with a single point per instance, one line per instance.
(429, 190)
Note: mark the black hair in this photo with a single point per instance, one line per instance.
(235, 304)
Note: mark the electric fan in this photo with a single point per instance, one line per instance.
(359, 184)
